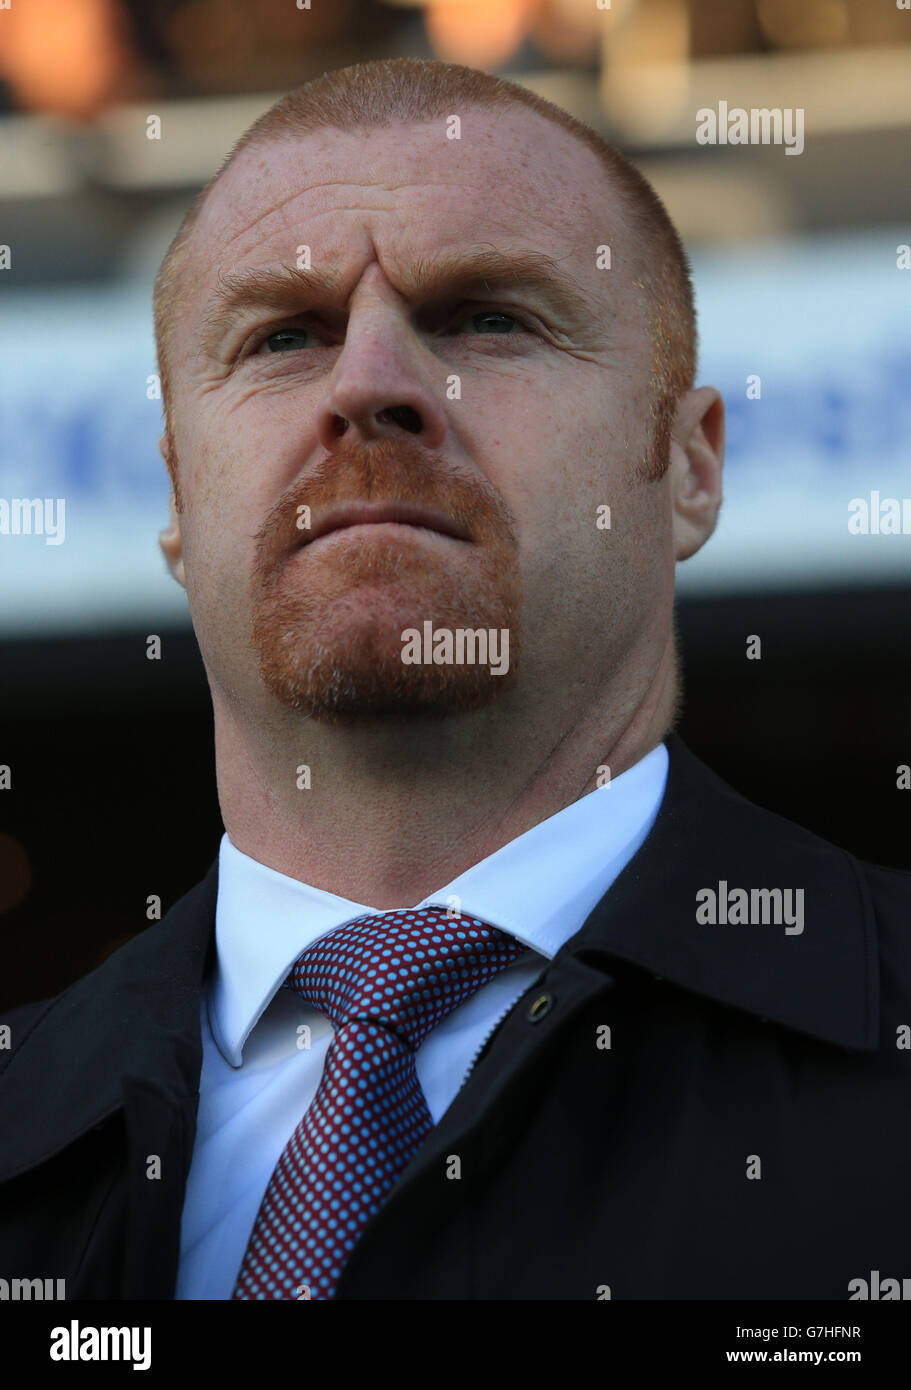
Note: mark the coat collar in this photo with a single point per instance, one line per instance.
(823, 982)
(137, 1015)
(134, 1017)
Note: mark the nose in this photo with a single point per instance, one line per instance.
(379, 388)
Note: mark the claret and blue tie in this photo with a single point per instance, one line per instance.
(384, 981)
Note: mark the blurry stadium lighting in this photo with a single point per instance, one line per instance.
(812, 24)
(842, 89)
(585, 14)
(65, 58)
(481, 33)
(644, 71)
(568, 31)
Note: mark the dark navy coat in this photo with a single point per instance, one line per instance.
(746, 1134)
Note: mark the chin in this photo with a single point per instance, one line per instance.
(357, 677)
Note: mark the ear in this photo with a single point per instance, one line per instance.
(170, 540)
(697, 460)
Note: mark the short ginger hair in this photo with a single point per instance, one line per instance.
(416, 91)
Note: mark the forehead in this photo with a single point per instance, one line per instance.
(407, 190)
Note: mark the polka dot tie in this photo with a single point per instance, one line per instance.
(384, 981)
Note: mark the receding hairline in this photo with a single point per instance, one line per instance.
(279, 135)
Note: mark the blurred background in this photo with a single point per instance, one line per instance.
(801, 283)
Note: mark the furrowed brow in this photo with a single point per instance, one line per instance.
(289, 289)
(500, 272)
(283, 290)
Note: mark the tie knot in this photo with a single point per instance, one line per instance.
(403, 969)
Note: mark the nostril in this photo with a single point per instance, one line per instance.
(403, 415)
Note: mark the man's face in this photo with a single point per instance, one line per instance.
(512, 415)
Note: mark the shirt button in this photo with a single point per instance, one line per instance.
(540, 1008)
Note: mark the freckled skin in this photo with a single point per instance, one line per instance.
(550, 425)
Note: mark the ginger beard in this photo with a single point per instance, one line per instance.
(328, 614)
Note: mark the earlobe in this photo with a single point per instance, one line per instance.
(171, 543)
(697, 451)
(170, 539)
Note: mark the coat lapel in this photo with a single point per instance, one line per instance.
(125, 1038)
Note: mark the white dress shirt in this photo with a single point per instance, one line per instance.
(257, 1082)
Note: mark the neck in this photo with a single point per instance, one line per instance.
(392, 814)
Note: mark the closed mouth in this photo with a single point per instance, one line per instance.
(347, 514)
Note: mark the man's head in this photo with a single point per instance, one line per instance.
(329, 330)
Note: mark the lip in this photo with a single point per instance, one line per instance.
(346, 514)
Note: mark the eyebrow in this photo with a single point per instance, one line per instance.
(289, 289)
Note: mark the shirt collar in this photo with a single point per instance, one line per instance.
(540, 887)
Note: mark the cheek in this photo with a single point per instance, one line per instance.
(234, 465)
(589, 527)
(218, 566)
(221, 514)
(592, 454)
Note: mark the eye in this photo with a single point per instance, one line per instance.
(493, 322)
(482, 322)
(285, 340)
